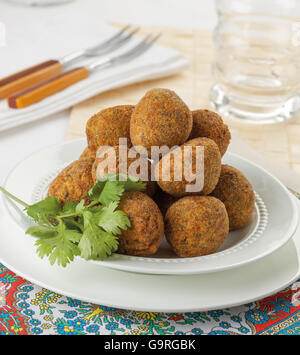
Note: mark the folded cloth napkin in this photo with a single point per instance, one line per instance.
(157, 62)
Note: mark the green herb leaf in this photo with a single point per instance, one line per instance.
(95, 242)
(131, 185)
(106, 192)
(112, 221)
(96, 209)
(80, 207)
(50, 206)
(80, 229)
(70, 207)
(74, 224)
(95, 192)
(60, 248)
(111, 187)
(42, 231)
(106, 246)
(111, 192)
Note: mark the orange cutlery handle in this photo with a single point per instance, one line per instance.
(25, 79)
(47, 88)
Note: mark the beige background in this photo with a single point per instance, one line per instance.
(280, 142)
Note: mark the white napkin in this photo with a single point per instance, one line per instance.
(157, 62)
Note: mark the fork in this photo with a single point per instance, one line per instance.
(25, 79)
(68, 78)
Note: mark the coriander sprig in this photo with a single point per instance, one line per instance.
(78, 228)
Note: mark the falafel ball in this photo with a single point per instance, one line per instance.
(196, 225)
(145, 234)
(160, 118)
(88, 154)
(73, 182)
(108, 161)
(177, 186)
(107, 126)
(237, 194)
(209, 124)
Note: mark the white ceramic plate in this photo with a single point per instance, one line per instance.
(153, 293)
(273, 223)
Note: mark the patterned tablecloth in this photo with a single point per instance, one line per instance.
(30, 309)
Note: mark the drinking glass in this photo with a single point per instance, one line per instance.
(257, 63)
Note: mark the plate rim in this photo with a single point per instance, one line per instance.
(145, 309)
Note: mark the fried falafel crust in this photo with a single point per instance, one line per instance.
(150, 185)
(145, 234)
(196, 226)
(209, 124)
(160, 118)
(107, 126)
(212, 168)
(237, 194)
(88, 154)
(73, 182)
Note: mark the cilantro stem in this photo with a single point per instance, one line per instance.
(50, 219)
(68, 215)
(13, 197)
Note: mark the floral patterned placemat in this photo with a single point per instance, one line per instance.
(29, 309)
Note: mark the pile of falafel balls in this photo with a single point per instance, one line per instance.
(194, 224)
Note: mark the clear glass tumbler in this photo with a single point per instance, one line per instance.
(257, 64)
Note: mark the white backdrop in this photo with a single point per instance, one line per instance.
(18, 143)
